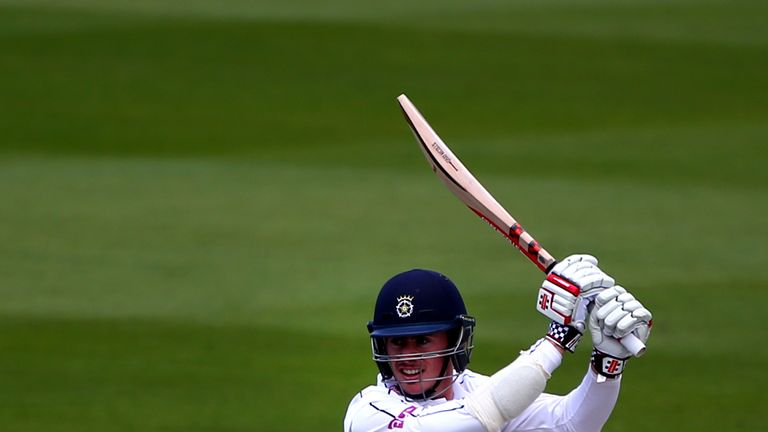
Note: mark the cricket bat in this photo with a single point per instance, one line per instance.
(463, 184)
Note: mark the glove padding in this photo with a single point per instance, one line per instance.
(615, 314)
(574, 280)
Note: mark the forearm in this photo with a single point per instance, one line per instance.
(508, 392)
(585, 409)
(547, 353)
(589, 405)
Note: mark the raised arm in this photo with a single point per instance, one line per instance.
(614, 314)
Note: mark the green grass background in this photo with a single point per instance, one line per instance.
(199, 200)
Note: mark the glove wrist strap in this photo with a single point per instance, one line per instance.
(607, 365)
(564, 335)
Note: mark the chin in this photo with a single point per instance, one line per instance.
(414, 389)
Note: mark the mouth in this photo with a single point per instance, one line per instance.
(410, 374)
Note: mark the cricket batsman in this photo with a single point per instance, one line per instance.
(421, 338)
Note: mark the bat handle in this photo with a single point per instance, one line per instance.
(633, 345)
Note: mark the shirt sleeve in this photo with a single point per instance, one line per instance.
(375, 410)
(585, 409)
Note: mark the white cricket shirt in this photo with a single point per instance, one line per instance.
(381, 408)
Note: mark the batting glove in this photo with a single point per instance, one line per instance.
(615, 314)
(572, 282)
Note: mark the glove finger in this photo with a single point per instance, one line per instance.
(571, 260)
(643, 314)
(580, 311)
(563, 310)
(631, 305)
(629, 321)
(625, 325)
(607, 296)
(559, 266)
(612, 319)
(567, 261)
(579, 271)
(568, 302)
(578, 325)
(581, 257)
(572, 271)
(639, 329)
(593, 283)
(562, 307)
(603, 311)
(594, 329)
(638, 311)
(625, 297)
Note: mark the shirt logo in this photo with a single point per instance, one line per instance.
(404, 306)
(399, 422)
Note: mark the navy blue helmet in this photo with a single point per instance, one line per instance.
(420, 302)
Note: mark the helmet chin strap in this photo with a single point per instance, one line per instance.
(430, 392)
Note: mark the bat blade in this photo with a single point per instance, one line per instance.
(465, 186)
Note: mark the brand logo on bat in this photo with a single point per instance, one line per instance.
(443, 155)
(404, 306)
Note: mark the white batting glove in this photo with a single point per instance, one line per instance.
(572, 282)
(615, 314)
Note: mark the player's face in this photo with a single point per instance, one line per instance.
(411, 374)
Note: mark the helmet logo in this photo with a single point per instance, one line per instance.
(404, 306)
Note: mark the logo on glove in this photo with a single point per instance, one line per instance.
(544, 301)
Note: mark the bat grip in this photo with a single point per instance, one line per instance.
(633, 345)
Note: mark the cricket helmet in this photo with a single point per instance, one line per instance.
(421, 302)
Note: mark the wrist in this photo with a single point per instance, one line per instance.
(546, 354)
(557, 346)
(563, 336)
(607, 366)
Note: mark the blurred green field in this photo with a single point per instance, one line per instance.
(199, 200)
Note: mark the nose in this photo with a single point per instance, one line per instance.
(408, 346)
(410, 349)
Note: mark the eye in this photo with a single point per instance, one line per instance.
(423, 340)
(397, 341)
